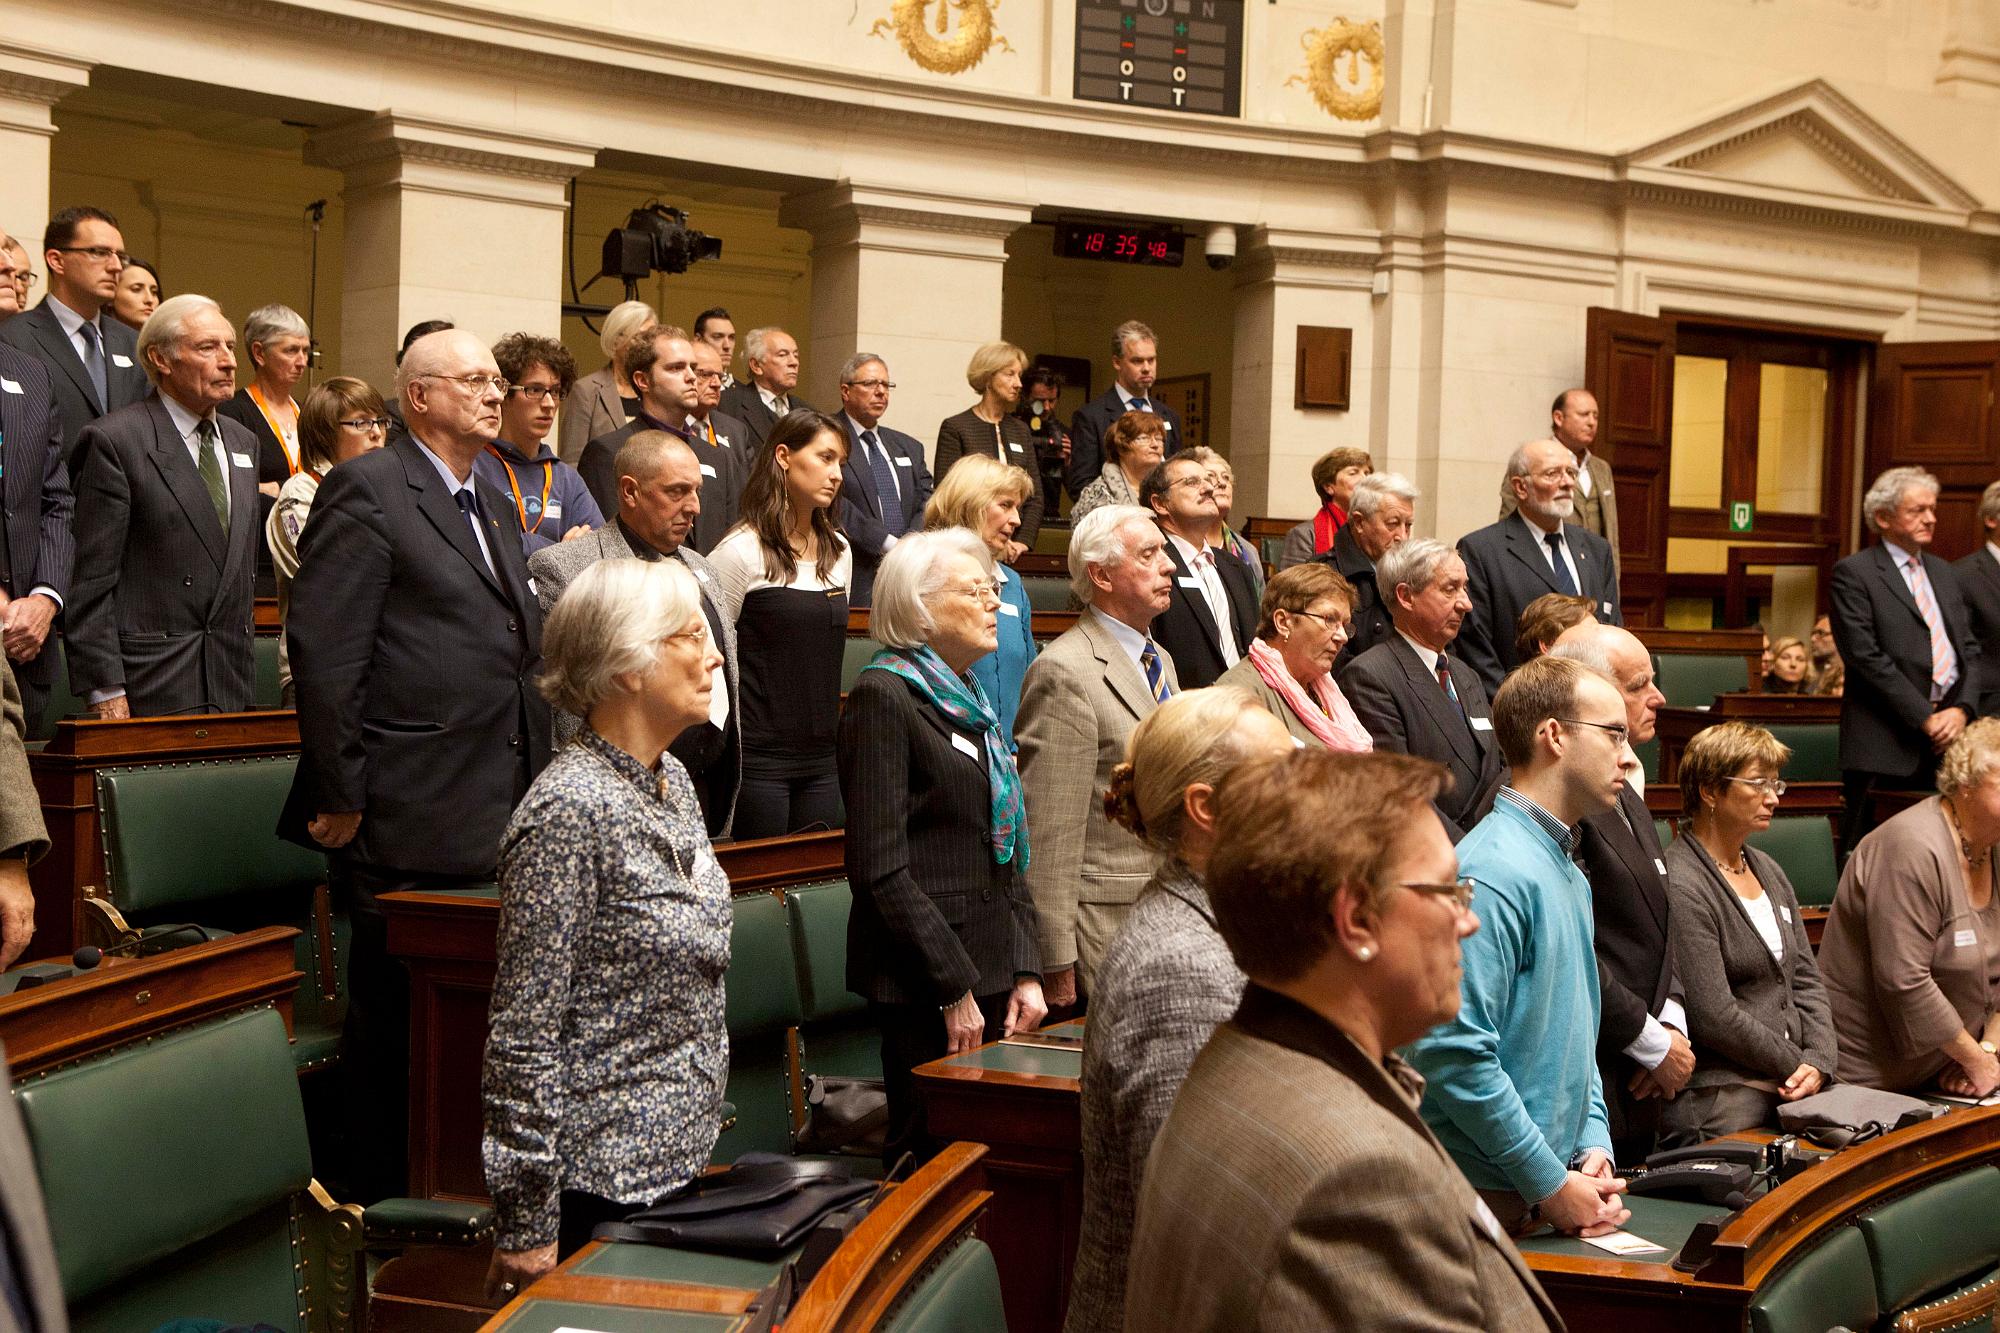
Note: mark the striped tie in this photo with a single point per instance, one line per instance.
(1944, 661)
(1156, 675)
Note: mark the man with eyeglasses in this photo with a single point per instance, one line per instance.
(885, 483)
(1538, 549)
(549, 498)
(1512, 1086)
(37, 548)
(1213, 615)
(768, 394)
(93, 361)
(20, 273)
(1573, 425)
(1643, 1053)
(660, 369)
(1381, 512)
(415, 642)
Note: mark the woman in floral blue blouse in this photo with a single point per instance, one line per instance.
(607, 1054)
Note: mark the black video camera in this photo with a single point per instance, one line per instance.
(656, 239)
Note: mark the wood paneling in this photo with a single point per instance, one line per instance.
(1629, 366)
(1932, 406)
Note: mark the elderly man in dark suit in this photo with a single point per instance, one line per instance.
(1415, 697)
(1573, 425)
(1209, 622)
(415, 641)
(721, 444)
(1381, 510)
(161, 609)
(93, 360)
(1538, 550)
(1135, 365)
(768, 394)
(1914, 669)
(1979, 584)
(884, 482)
(37, 549)
(1643, 1053)
(660, 485)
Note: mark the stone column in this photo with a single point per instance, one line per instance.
(31, 83)
(445, 221)
(910, 275)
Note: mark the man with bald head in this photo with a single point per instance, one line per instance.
(1642, 1046)
(1573, 425)
(415, 641)
(660, 500)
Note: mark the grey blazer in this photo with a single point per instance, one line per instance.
(593, 408)
(1749, 1016)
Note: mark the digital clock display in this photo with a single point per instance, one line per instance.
(1121, 244)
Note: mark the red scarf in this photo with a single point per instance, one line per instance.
(1327, 524)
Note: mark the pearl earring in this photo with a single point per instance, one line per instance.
(1364, 953)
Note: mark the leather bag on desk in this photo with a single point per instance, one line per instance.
(1845, 1112)
(764, 1204)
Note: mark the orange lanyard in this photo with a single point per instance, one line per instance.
(291, 451)
(514, 485)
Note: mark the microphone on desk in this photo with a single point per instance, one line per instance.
(89, 956)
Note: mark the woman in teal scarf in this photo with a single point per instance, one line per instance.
(942, 937)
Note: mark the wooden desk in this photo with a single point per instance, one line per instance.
(1025, 1104)
(65, 774)
(125, 999)
(616, 1286)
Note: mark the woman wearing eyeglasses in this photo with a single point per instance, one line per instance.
(1757, 1011)
(549, 496)
(343, 418)
(1289, 668)
(942, 937)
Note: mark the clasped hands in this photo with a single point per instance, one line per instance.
(1587, 1203)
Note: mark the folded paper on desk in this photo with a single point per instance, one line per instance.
(1624, 1242)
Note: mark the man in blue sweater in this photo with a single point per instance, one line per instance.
(1513, 1089)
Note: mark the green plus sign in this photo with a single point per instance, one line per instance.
(1130, 22)
(1180, 29)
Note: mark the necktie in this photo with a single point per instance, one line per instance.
(1139, 405)
(93, 365)
(884, 474)
(1944, 661)
(1444, 681)
(1564, 583)
(470, 508)
(1156, 675)
(210, 467)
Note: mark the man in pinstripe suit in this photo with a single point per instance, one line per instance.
(36, 545)
(1079, 703)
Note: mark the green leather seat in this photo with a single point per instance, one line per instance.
(961, 1295)
(856, 655)
(1802, 845)
(836, 1037)
(1663, 830)
(762, 1005)
(1934, 1239)
(1832, 1285)
(1815, 750)
(267, 692)
(1046, 593)
(1692, 680)
(1270, 550)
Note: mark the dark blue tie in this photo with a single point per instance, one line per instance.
(470, 508)
(93, 363)
(884, 473)
(1564, 583)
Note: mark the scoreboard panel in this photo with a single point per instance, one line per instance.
(1170, 55)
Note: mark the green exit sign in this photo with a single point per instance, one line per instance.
(1742, 514)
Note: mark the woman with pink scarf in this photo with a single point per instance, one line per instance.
(1289, 668)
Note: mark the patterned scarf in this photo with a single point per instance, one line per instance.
(1327, 524)
(1330, 718)
(961, 700)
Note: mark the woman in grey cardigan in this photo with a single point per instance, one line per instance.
(1757, 1013)
(1167, 981)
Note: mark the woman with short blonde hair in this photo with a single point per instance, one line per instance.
(597, 402)
(990, 427)
(983, 496)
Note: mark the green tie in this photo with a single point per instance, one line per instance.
(211, 471)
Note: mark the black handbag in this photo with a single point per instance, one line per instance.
(764, 1204)
(844, 1115)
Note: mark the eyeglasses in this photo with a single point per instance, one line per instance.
(100, 253)
(1774, 786)
(1460, 893)
(367, 423)
(989, 591)
(474, 383)
(1200, 479)
(552, 392)
(871, 385)
(709, 376)
(1333, 625)
(1618, 731)
(698, 636)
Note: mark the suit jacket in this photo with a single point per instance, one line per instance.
(1332, 1207)
(38, 505)
(967, 433)
(742, 401)
(1187, 628)
(861, 504)
(37, 333)
(1597, 511)
(164, 599)
(1368, 623)
(1505, 571)
(1093, 419)
(27, 1221)
(1621, 857)
(1751, 1016)
(1079, 703)
(1882, 638)
(723, 473)
(415, 666)
(597, 405)
(934, 915)
(1979, 585)
(730, 456)
(1400, 702)
(720, 771)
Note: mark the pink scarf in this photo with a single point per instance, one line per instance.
(1331, 719)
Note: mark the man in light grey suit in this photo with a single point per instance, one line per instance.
(168, 526)
(659, 499)
(1079, 703)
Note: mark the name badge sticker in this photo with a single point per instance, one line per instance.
(1605, 607)
(120, 360)
(533, 591)
(1015, 447)
(1786, 913)
(702, 574)
(1481, 723)
(1009, 609)
(242, 460)
(964, 746)
(554, 512)
(1190, 581)
(9, 385)
(707, 470)
(1661, 866)
(902, 461)
(1964, 939)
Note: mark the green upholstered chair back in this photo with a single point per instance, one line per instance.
(1933, 1239)
(816, 918)
(1832, 1285)
(1802, 845)
(1270, 550)
(1692, 680)
(1663, 829)
(762, 990)
(268, 693)
(1046, 593)
(1815, 750)
(961, 1295)
(181, 834)
(856, 655)
(170, 1170)
(1648, 754)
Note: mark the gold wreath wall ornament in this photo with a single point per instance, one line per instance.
(936, 53)
(1324, 48)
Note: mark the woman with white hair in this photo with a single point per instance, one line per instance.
(279, 347)
(600, 402)
(942, 937)
(607, 1054)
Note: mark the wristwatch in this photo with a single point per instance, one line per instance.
(1989, 1048)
